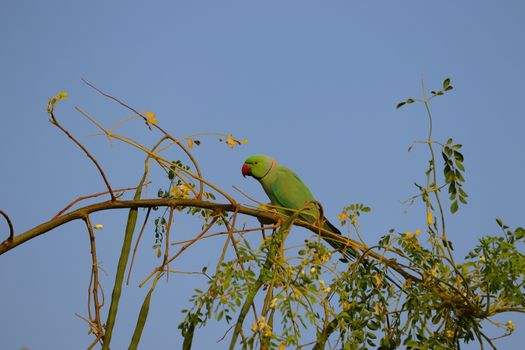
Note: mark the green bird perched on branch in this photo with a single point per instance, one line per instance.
(286, 190)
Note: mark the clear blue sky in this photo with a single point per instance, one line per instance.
(311, 83)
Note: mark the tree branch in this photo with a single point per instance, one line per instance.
(167, 202)
(55, 122)
(10, 224)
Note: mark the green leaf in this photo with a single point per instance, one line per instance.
(412, 344)
(463, 193)
(400, 104)
(410, 100)
(454, 207)
(458, 156)
(446, 83)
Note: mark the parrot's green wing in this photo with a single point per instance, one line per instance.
(289, 191)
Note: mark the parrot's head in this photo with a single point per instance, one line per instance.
(257, 166)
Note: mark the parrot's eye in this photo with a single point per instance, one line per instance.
(255, 163)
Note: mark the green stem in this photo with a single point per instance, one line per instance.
(121, 268)
(143, 315)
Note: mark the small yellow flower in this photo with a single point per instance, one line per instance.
(342, 216)
(282, 346)
(230, 141)
(322, 284)
(417, 232)
(312, 270)
(510, 326)
(377, 309)
(255, 327)
(181, 191)
(224, 298)
(377, 280)
(449, 333)
(190, 143)
(408, 234)
(327, 290)
(297, 293)
(268, 332)
(262, 322)
(430, 217)
(150, 116)
(273, 303)
(434, 272)
(98, 227)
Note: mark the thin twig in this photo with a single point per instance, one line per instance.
(160, 160)
(193, 240)
(137, 245)
(58, 125)
(81, 198)
(10, 224)
(94, 273)
(185, 150)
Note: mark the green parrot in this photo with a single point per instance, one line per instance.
(285, 189)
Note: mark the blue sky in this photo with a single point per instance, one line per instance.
(313, 84)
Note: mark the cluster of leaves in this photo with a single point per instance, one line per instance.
(453, 171)
(499, 268)
(291, 289)
(352, 212)
(225, 292)
(160, 231)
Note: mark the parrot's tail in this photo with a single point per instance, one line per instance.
(348, 252)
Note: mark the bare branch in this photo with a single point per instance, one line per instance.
(169, 202)
(10, 224)
(81, 198)
(58, 125)
(94, 275)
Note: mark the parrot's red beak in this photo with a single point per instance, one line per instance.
(246, 170)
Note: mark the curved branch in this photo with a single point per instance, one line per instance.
(168, 202)
(58, 125)
(10, 224)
